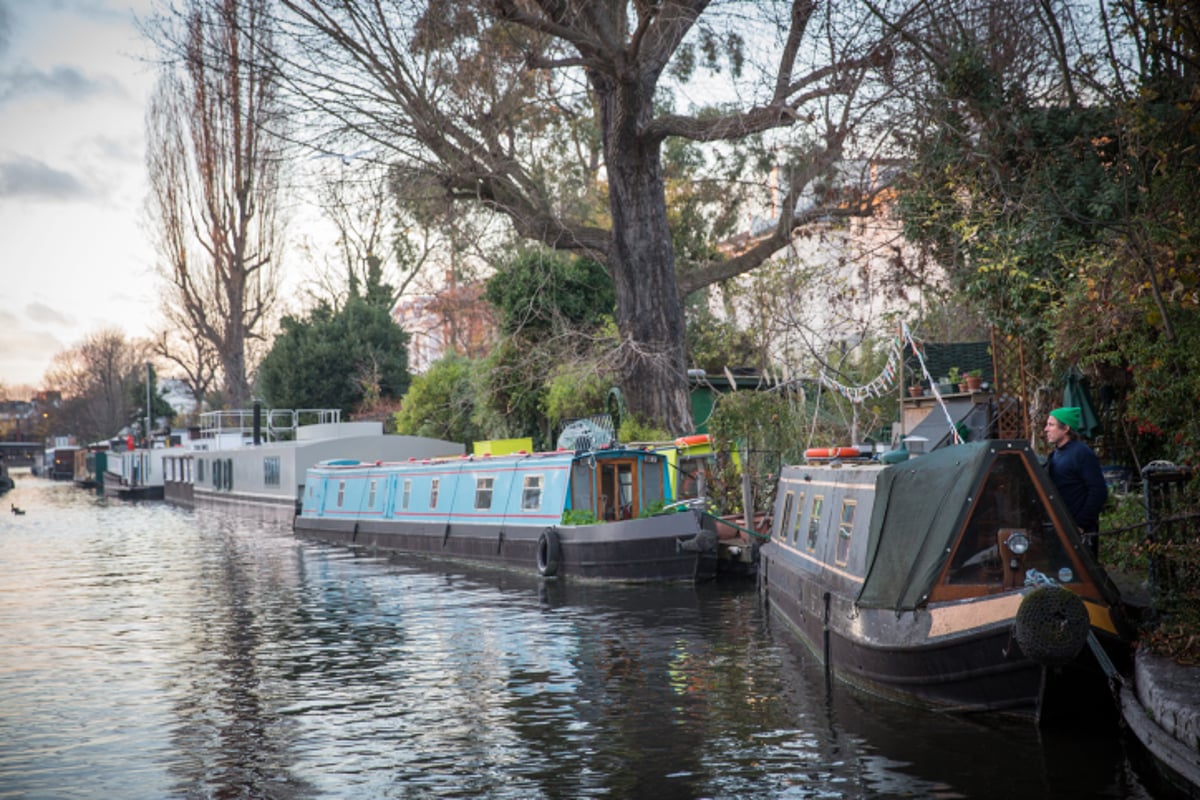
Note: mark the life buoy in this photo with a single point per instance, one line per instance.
(690, 441)
(549, 552)
(832, 452)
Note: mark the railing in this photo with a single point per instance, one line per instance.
(274, 424)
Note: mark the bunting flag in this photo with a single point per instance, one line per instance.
(879, 386)
(886, 379)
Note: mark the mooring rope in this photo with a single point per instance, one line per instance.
(764, 536)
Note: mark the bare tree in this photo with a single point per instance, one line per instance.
(481, 99)
(214, 167)
(354, 197)
(194, 356)
(97, 378)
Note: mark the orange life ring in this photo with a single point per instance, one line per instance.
(689, 441)
(832, 452)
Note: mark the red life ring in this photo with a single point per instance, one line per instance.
(832, 452)
(689, 441)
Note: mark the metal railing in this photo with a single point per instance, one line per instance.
(274, 423)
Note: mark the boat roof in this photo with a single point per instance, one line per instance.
(489, 459)
(918, 513)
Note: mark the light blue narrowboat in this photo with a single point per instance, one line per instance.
(602, 514)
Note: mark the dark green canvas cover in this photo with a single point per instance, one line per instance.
(918, 510)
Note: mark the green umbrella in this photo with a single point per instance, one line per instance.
(1076, 393)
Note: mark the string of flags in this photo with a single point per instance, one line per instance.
(882, 383)
(886, 379)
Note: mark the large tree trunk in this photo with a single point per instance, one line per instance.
(642, 262)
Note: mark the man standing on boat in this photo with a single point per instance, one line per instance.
(1075, 471)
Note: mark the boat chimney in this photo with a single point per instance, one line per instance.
(257, 422)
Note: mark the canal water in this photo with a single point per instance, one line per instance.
(152, 652)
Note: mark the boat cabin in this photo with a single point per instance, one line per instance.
(956, 523)
(522, 488)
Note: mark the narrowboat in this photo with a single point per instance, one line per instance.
(605, 513)
(954, 580)
(135, 474)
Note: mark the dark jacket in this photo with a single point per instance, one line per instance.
(1075, 470)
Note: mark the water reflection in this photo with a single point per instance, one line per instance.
(150, 652)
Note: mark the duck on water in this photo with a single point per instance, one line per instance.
(954, 580)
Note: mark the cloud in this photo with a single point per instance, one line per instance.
(5, 26)
(24, 353)
(27, 177)
(40, 312)
(61, 81)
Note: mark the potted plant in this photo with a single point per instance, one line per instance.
(956, 378)
(974, 380)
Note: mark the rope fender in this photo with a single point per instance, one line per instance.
(1051, 625)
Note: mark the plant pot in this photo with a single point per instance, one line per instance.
(962, 387)
(973, 383)
(915, 391)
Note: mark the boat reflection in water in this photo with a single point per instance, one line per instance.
(955, 580)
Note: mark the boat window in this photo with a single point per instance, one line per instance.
(218, 467)
(581, 487)
(618, 491)
(406, 495)
(845, 531)
(483, 492)
(693, 476)
(341, 493)
(200, 471)
(814, 521)
(1009, 502)
(371, 493)
(653, 488)
(625, 492)
(531, 493)
(786, 514)
(433, 492)
(271, 471)
(798, 521)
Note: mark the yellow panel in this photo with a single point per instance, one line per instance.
(502, 447)
(977, 613)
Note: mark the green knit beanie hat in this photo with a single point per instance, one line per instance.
(1071, 416)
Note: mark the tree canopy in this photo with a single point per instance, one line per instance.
(338, 357)
(556, 116)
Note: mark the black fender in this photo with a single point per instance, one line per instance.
(1051, 625)
(549, 553)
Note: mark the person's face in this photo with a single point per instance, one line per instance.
(1056, 432)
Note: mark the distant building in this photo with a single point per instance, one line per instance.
(178, 396)
(456, 319)
(837, 281)
(17, 419)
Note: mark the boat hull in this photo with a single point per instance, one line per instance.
(960, 657)
(669, 547)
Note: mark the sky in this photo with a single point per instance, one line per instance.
(74, 253)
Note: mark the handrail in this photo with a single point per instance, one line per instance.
(273, 422)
